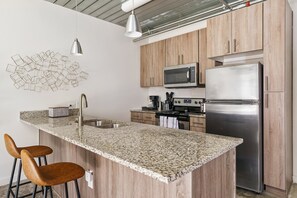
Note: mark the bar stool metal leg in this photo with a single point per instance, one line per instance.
(45, 160)
(34, 192)
(66, 190)
(11, 177)
(45, 192)
(39, 163)
(77, 189)
(51, 191)
(18, 181)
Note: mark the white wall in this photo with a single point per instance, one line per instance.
(111, 59)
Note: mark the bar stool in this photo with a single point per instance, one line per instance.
(14, 151)
(51, 175)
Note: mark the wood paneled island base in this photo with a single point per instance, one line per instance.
(216, 179)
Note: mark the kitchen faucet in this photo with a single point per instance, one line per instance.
(80, 117)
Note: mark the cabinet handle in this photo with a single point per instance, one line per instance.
(182, 59)
(229, 47)
(153, 81)
(267, 101)
(266, 83)
(198, 123)
(150, 81)
(234, 45)
(178, 59)
(200, 77)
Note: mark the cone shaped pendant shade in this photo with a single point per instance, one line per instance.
(133, 28)
(76, 48)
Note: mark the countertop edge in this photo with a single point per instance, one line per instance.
(135, 167)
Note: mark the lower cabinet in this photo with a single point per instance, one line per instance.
(197, 124)
(143, 117)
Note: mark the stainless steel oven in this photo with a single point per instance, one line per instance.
(181, 76)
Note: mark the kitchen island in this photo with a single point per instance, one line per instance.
(139, 160)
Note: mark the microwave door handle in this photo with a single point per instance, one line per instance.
(188, 75)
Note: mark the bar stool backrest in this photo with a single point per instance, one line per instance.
(31, 169)
(11, 148)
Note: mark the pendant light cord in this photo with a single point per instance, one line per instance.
(76, 21)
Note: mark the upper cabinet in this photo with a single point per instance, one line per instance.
(204, 62)
(182, 49)
(219, 35)
(236, 32)
(247, 29)
(152, 63)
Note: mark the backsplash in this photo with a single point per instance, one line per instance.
(181, 92)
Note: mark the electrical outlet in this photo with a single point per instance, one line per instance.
(89, 176)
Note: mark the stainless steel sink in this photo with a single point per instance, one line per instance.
(103, 124)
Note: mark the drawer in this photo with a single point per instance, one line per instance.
(136, 120)
(149, 117)
(198, 129)
(197, 122)
(149, 122)
(136, 116)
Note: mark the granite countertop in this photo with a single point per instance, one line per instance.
(143, 111)
(162, 153)
(148, 111)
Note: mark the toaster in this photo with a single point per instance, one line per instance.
(56, 112)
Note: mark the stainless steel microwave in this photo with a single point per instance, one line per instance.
(181, 76)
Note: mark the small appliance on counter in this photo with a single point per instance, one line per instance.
(181, 110)
(56, 112)
(154, 104)
(169, 101)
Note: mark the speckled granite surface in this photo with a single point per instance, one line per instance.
(142, 111)
(162, 153)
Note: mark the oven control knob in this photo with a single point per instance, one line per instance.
(178, 101)
(196, 102)
(175, 101)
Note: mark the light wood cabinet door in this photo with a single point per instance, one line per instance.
(274, 141)
(204, 62)
(182, 49)
(173, 51)
(247, 29)
(189, 47)
(274, 45)
(145, 63)
(152, 64)
(219, 36)
(197, 124)
(158, 58)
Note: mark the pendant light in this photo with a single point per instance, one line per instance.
(76, 47)
(133, 28)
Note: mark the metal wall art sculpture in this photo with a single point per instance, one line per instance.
(45, 71)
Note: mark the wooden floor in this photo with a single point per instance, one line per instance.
(240, 193)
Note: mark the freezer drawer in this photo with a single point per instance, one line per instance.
(243, 121)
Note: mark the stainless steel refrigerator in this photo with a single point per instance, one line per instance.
(234, 108)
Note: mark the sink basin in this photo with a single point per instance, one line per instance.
(103, 124)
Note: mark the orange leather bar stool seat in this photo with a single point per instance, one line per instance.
(14, 151)
(51, 175)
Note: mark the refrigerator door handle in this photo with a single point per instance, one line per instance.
(235, 102)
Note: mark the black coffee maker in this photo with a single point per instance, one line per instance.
(154, 105)
(155, 102)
